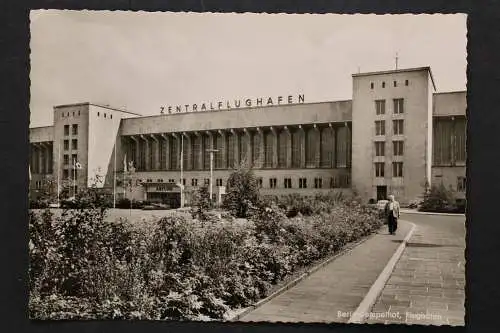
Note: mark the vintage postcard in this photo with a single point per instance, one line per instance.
(247, 167)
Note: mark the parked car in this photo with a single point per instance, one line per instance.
(54, 205)
(155, 206)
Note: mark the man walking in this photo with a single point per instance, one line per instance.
(392, 213)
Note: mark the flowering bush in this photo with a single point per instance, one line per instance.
(177, 267)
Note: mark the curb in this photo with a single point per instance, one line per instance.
(373, 294)
(294, 282)
(430, 213)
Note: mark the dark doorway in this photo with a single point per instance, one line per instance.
(381, 193)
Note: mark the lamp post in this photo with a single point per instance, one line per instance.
(211, 151)
(182, 171)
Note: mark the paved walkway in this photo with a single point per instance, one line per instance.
(427, 284)
(333, 292)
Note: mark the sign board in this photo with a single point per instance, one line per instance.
(222, 190)
(234, 104)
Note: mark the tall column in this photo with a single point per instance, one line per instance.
(275, 148)
(453, 142)
(137, 162)
(166, 162)
(288, 147)
(188, 165)
(175, 160)
(147, 153)
(334, 148)
(198, 154)
(236, 147)
(40, 158)
(317, 146)
(349, 146)
(249, 154)
(155, 150)
(223, 149)
(302, 147)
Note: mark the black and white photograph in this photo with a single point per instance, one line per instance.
(300, 168)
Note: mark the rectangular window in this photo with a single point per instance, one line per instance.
(333, 183)
(397, 169)
(397, 126)
(461, 184)
(380, 127)
(288, 183)
(379, 148)
(66, 159)
(65, 174)
(218, 182)
(302, 182)
(398, 105)
(318, 183)
(66, 144)
(398, 148)
(207, 181)
(159, 180)
(74, 158)
(194, 182)
(74, 129)
(379, 170)
(259, 182)
(183, 181)
(74, 144)
(380, 107)
(272, 182)
(66, 129)
(344, 181)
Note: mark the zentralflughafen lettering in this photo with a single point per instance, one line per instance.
(234, 104)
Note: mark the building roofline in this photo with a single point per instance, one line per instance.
(239, 109)
(415, 69)
(37, 127)
(451, 92)
(98, 105)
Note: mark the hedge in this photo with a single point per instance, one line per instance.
(178, 267)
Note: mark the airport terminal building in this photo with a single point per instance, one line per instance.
(395, 135)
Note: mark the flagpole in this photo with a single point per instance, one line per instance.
(114, 180)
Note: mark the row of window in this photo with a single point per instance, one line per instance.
(74, 144)
(397, 148)
(74, 129)
(398, 104)
(74, 157)
(395, 84)
(105, 115)
(67, 114)
(397, 127)
(67, 173)
(340, 182)
(397, 169)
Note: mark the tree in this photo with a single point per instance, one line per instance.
(242, 191)
(201, 203)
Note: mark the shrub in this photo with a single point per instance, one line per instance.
(242, 193)
(441, 200)
(82, 267)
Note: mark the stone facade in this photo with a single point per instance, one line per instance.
(298, 148)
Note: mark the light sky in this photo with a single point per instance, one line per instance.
(142, 61)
